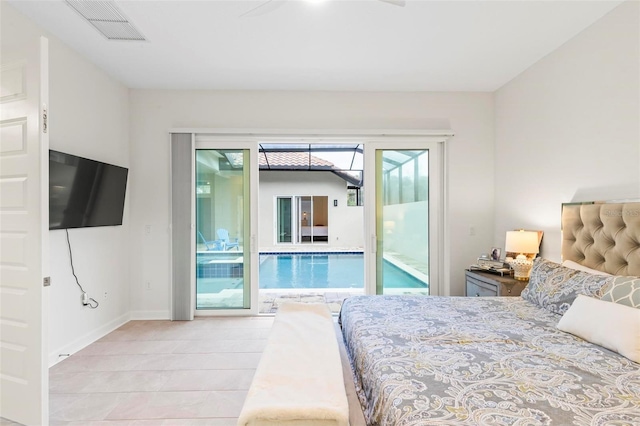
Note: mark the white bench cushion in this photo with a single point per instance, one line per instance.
(299, 377)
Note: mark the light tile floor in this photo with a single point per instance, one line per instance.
(149, 373)
(160, 373)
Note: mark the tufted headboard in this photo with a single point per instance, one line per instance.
(603, 236)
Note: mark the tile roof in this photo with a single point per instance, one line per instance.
(289, 160)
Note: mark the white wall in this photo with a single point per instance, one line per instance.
(568, 129)
(88, 116)
(346, 224)
(155, 112)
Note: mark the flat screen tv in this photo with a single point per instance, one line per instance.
(84, 193)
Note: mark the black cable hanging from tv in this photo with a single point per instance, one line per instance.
(85, 299)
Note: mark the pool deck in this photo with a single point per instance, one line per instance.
(269, 300)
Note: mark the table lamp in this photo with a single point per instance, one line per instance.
(522, 242)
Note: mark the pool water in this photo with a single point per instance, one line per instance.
(326, 270)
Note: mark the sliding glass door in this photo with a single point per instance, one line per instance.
(403, 216)
(302, 219)
(405, 223)
(224, 240)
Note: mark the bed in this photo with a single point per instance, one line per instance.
(504, 361)
(320, 232)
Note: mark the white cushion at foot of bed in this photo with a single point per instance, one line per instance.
(299, 377)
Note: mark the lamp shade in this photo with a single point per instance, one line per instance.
(522, 242)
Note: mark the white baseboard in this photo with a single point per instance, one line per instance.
(150, 315)
(84, 341)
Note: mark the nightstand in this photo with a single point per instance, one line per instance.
(486, 284)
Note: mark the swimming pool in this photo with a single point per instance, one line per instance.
(326, 270)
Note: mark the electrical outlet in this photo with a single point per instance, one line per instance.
(472, 231)
(147, 285)
(105, 295)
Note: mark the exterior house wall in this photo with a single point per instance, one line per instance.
(346, 226)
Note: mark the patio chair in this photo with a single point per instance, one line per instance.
(223, 234)
(211, 245)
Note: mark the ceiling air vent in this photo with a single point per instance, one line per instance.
(106, 18)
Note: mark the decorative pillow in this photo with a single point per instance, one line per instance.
(610, 325)
(575, 265)
(554, 287)
(624, 290)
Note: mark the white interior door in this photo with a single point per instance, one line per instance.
(24, 243)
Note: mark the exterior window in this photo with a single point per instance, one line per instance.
(284, 220)
(354, 196)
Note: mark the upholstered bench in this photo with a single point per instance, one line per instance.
(299, 379)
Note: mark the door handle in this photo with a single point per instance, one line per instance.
(374, 243)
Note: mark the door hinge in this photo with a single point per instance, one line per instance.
(46, 281)
(44, 119)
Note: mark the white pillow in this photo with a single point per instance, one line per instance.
(574, 265)
(607, 324)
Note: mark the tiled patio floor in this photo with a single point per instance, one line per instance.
(269, 300)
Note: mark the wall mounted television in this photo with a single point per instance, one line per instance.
(84, 192)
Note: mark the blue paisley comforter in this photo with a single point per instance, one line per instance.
(481, 361)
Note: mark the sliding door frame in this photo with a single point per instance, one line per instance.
(221, 142)
(438, 240)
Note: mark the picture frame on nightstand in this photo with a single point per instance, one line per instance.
(495, 253)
